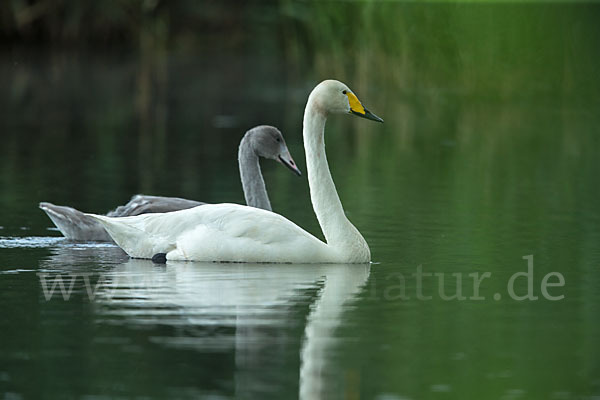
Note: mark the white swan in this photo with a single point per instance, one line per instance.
(261, 141)
(232, 232)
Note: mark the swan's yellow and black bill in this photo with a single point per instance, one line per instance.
(357, 108)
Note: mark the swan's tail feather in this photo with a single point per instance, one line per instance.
(129, 234)
(74, 224)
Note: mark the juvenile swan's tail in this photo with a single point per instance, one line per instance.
(74, 224)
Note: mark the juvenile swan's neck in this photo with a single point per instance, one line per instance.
(253, 183)
(338, 230)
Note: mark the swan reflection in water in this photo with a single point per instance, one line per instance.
(246, 308)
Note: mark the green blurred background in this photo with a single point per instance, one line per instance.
(148, 96)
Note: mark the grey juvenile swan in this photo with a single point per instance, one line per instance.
(261, 141)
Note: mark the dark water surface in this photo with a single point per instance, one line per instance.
(488, 154)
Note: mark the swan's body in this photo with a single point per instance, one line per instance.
(261, 141)
(217, 232)
(230, 232)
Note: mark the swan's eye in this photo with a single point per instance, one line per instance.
(278, 140)
(343, 91)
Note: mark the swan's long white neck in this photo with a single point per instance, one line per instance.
(253, 183)
(338, 230)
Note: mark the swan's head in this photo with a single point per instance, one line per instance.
(333, 96)
(268, 142)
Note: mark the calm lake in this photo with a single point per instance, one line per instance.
(486, 167)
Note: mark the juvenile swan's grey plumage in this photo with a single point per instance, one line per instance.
(261, 141)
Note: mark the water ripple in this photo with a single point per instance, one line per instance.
(36, 242)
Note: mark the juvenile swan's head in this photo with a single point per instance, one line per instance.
(268, 142)
(333, 96)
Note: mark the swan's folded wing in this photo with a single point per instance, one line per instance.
(144, 204)
(231, 232)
